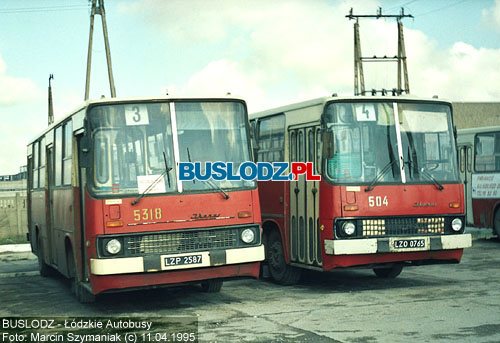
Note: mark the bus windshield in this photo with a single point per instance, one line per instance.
(134, 146)
(372, 140)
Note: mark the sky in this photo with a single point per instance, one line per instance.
(270, 53)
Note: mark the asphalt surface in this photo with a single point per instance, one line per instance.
(440, 303)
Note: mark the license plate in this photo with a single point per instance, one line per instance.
(409, 244)
(182, 260)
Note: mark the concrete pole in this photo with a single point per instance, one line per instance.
(89, 53)
(108, 53)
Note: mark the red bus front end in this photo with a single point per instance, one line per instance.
(389, 196)
(409, 206)
(202, 230)
(392, 224)
(143, 227)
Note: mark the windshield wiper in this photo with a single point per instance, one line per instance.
(217, 187)
(432, 178)
(380, 175)
(208, 182)
(165, 172)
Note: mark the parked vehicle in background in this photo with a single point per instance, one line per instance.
(390, 194)
(479, 161)
(106, 209)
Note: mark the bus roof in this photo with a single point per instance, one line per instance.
(481, 129)
(324, 100)
(129, 99)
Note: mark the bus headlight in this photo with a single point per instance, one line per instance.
(456, 224)
(113, 246)
(349, 228)
(247, 236)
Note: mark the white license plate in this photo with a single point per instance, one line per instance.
(170, 261)
(409, 244)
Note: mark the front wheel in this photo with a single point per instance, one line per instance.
(390, 272)
(83, 295)
(43, 267)
(280, 271)
(211, 286)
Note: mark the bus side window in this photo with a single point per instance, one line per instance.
(58, 142)
(310, 146)
(485, 152)
(68, 146)
(293, 147)
(462, 158)
(318, 150)
(41, 165)
(497, 152)
(36, 159)
(271, 138)
(469, 159)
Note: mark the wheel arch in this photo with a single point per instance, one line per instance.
(269, 226)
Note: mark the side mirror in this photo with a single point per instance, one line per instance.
(85, 160)
(253, 140)
(328, 145)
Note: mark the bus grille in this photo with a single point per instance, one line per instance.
(402, 226)
(186, 241)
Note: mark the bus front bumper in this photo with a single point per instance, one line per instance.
(157, 263)
(395, 244)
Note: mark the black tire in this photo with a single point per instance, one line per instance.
(280, 271)
(496, 223)
(211, 286)
(390, 272)
(83, 295)
(43, 267)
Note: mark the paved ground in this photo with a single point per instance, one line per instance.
(442, 303)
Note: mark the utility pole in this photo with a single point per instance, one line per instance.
(400, 58)
(51, 106)
(98, 8)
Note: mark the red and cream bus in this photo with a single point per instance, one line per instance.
(105, 206)
(479, 164)
(390, 194)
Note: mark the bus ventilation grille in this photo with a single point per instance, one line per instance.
(187, 241)
(403, 226)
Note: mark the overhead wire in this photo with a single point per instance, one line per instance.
(44, 9)
(440, 8)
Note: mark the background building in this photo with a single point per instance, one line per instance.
(476, 114)
(13, 212)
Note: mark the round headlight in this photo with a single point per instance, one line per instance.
(349, 228)
(247, 236)
(113, 246)
(456, 224)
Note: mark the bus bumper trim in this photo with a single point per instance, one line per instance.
(382, 245)
(141, 264)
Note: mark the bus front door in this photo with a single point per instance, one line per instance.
(465, 163)
(304, 201)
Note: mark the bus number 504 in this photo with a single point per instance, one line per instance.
(377, 201)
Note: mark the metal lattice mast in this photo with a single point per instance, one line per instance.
(98, 8)
(400, 58)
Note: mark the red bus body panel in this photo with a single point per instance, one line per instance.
(402, 200)
(177, 213)
(484, 211)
